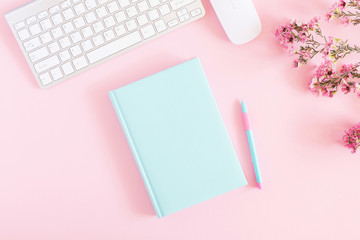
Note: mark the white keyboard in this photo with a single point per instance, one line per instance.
(63, 38)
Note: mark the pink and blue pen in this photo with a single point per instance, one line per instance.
(251, 144)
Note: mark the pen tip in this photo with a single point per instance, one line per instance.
(259, 186)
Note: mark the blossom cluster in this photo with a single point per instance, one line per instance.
(345, 10)
(352, 138)
(305, 40)
(298, 39)
(327, 81)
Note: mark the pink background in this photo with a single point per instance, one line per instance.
(66, 170)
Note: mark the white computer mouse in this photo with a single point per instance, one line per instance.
(238, 18)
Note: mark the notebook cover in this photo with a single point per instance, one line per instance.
(178, 138)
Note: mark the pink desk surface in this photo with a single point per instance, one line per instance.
(66, 170)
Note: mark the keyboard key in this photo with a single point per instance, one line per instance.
(46, 64)
(76, 37)
(80, 63)
(87, 45)
(35, 29)
(65, 42)
(79, 22)
(32, 44)
(87, 32)
(90, 4)
(56, 73)
(120, 30)
(160, 25)
(31, 20)
(196, 12)
(98, 40)
(54, 9)
(19, 25)
(113, 7)
(147, 31)
(54, 47)
(102, 1)
(76, 50)
(143, 6)
(173, 23)
(42, 15)
(120, 16)
(64, 55)
(182, 12)
(65, 4)
(101, 12)
(90, 17)
(45, 79)
(124, 3)
(177, 4)
(68, 14)
(46, 24)
(142, 20)
(68, 27)
(153, 15)
(154, 3)
(45, 38)
(24, 34)
(57, 19)
(109, 35)
(39, 54)
(164, 9)
(131, 25)
(114, 47)
(98, 27)
(67, 68)
(79, 8)
(185, 17)
(57, 32)
(109, 22)
(131, 11)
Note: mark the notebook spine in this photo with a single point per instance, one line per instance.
(136, 154)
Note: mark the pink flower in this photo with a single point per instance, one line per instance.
(346, 21)
(351, 138)
(321, 83)
(346, 88)
(348, 70)
(326, 52)
(314, 22)
(285, 35)
(341, 5)
(296, 63)
(331, 13)
(305, 54)
(328, 16)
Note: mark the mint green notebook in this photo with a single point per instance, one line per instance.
(178, 138)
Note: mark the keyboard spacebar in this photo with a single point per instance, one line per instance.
(114, 47)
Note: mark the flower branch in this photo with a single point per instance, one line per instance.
(306, 40)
